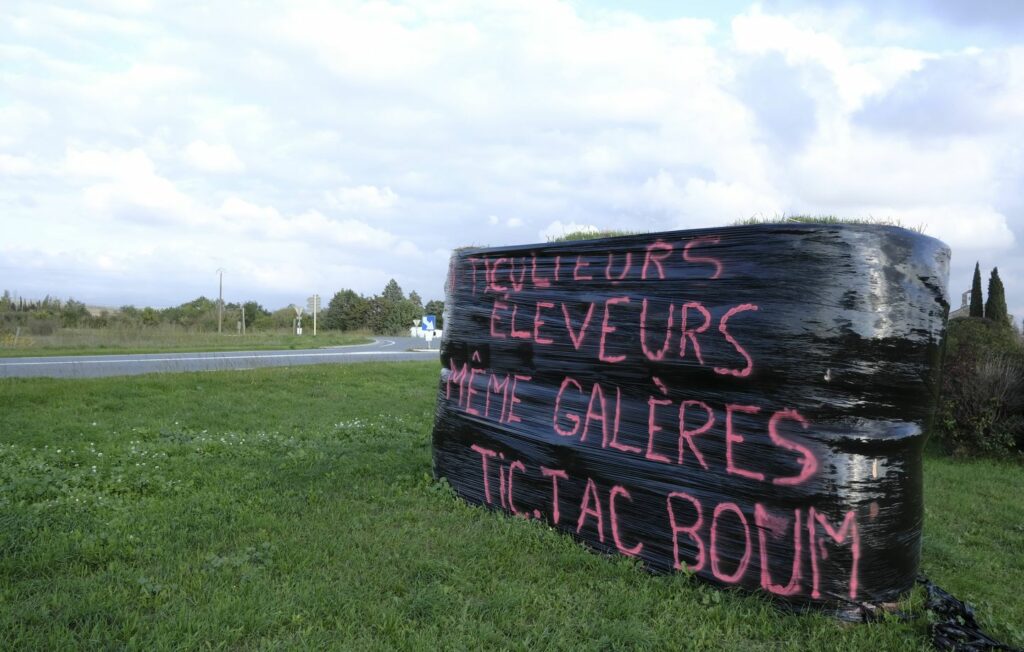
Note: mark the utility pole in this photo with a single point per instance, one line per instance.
(220, 302)
(243, 319)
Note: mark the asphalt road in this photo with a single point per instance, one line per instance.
(92, 366)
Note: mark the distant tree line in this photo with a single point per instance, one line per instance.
(389, 313)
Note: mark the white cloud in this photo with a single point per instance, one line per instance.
(347, 232)
(865, 169)
(212, 158)
(973, 228)
(373, 42)
(124, 185)
(16, 166)
(950, 96)
(108, 163)
(235, 208)
(127, 6)
(238, 210)
(362, 198)
(557, 229)
(141, 198)
(699, 202)
(854, 73)
(371, 133)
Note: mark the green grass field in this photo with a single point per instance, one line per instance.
(99, 341)
(293, 508)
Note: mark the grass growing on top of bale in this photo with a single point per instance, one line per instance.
(294, 508)
(593, 234)
(573, 236)
(827, 219)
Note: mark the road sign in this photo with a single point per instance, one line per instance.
(313, 306)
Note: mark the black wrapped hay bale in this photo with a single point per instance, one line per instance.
(747, 403)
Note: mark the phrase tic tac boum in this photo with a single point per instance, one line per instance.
(747, 403)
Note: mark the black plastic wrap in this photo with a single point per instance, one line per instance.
(747, 403)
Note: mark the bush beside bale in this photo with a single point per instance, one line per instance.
(981, 411)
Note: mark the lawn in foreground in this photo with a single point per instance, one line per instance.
(282, 508)
(101, 341)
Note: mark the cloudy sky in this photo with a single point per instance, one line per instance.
(311, 146)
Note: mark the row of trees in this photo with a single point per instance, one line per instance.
(45, 316)
(42, 316)
(981, 408)
(390, 312)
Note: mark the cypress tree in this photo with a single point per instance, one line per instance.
(995, 307)
(976, 301)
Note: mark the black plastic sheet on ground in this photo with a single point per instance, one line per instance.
(746, 403)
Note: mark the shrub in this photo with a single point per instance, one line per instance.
(983, 334)
(982, 398)
(43, 325)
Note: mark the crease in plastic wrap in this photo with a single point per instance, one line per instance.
(747, 404)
